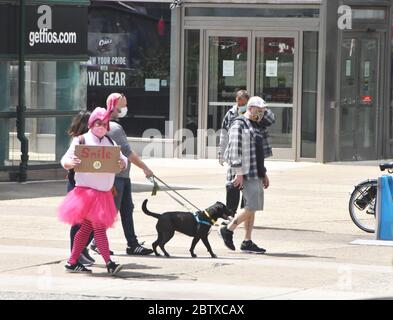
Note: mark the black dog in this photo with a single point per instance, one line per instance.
(194, 225)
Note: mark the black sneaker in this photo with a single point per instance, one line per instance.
(113, 268)
(138, 250)
(95, 249)
(227, 236)
(251, 247)
(77, 268)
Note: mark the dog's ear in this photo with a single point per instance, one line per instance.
(222, 209)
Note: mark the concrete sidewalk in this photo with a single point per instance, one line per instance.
(306, 229)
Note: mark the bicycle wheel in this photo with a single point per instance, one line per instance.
(362, 205)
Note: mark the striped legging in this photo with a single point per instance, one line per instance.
(82, 238)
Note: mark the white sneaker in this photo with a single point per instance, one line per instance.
(226, 222)
(85, 261)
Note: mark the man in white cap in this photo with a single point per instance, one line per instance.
(246, 171)
(242, 97)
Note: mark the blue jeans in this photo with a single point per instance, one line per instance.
(124, 204)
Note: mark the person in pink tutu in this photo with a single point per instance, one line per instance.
(91, 203)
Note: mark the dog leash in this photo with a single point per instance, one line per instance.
(156, 187)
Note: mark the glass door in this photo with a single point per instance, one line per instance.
(264, 64)
(275, 81)
(359, 106)
(228, 71)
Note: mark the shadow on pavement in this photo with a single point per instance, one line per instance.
(131, 266)
(294, 255)
(144, 276)
(31, 190)
(287, 229)
(125, 273)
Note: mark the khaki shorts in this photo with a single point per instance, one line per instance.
(253, 194)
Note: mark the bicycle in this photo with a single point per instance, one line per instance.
(363, 200)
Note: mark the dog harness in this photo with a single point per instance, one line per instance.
(212, 222)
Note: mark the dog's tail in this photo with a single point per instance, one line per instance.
(146, 211)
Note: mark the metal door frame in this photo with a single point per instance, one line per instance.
(203, 114)
(286, 153)
(279, 153)
(379, 36)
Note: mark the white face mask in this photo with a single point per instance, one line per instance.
(123, 112)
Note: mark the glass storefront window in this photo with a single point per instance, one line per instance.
(391, 97)
(5, 87)
(129, 49)
(191, 83)
(228, 59)
(274, 81)
(369, 14)
(47, 140)
(310, 95)
(252, 12)
(49, 85)
(359, 99)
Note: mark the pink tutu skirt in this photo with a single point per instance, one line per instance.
(85, 203)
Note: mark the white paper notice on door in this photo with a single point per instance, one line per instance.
(367, 65)
(348, 68)
(271, 68)
(152, 85)
(228, 68)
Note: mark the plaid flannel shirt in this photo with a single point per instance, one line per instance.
(268, 119)
(241, 151)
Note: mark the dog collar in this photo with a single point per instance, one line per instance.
(211, 220)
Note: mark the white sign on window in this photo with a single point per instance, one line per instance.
(228, 68)
(348, 68)
(271, 68)
(152, 85)
(367, 69)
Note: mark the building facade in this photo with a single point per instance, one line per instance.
(324, 67)
(37, 102)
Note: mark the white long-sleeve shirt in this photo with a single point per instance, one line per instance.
(98, 181)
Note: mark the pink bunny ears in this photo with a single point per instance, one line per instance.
(112, 101)
(105, 114)
(99, 114)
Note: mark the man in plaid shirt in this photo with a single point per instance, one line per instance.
(242, 97)
(237, 110)
(246, 171)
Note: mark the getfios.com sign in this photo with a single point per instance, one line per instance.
(45, 36)
(56, 30)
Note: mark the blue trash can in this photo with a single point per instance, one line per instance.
(384, 228)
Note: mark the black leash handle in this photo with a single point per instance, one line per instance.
(176, 194)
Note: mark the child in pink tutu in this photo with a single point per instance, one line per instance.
(91, 203)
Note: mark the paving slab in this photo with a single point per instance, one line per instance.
(305, 228)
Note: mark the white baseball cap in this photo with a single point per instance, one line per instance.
(257, 102)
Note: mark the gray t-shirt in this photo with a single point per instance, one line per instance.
(117, 134)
